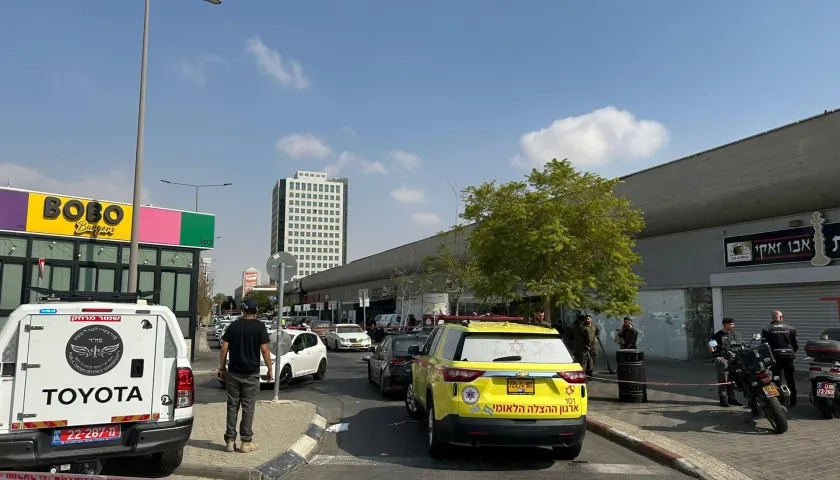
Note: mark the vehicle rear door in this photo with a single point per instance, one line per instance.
(89, 369)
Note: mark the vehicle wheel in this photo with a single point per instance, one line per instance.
(776, 415)
(322, 370)
(411, 403)
(827, 408)
(435, 446)
(166, 462)
(286, 376)
(568, 453)
(382, 390)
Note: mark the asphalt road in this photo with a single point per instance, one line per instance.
(381, 442)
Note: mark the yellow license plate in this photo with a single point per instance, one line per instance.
(357, 344)
(518, 386)
(771, 391)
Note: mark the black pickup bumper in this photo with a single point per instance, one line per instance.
(34, 448)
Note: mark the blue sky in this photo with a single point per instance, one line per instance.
(457, 85)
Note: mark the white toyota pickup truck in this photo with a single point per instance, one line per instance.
(83, 381)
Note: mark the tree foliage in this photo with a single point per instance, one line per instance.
(451, 270)
(263, 300)
(409, 286)
(205, 291)
(561, 234)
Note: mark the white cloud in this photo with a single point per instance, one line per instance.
(425, 218)
(111, 186)
(406, 160)
(595, 139)
(302, 145)
(350, 159)
(373, 168)
(195, 72)
(406, 194)
(286, 74)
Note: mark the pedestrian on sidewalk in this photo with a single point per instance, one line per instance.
(586, 335)
(627, 335)
(724, 339)
(781, 337)
(246, 339)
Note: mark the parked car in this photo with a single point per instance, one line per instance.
(345, 336)
(307, 356)
(321, 327)
(390, 365)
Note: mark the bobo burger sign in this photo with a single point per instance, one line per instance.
(77, 217)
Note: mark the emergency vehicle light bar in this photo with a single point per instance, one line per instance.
(467, 319)
(50, 295)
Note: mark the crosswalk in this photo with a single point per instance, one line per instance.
(422, 462)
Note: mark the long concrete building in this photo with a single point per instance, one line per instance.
(728, 232)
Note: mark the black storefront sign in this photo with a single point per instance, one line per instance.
(792, 245)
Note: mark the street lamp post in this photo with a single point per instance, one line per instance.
(134, 246)
(197, 188)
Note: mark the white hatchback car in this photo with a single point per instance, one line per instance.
(347, 336)
(308, 356)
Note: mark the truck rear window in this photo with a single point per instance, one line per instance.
(487, 347)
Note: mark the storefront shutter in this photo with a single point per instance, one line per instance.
(806, 307)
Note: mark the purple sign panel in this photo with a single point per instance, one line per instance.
(13, 208)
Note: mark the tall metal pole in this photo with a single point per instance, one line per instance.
(279, 332)
(194, 323)
(196, 198)
(134, 248)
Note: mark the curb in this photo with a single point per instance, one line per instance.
(301, 452)
(654, 452)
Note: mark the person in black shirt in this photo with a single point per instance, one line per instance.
(628, 335)
(245, 340)
(782, 339)
(724, 338)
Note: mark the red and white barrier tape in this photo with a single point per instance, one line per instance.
(662, 384)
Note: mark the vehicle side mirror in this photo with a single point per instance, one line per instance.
(414, 350)
(713, 343)
(756, 336)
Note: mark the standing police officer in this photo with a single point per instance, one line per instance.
(782, 339)
(723, 338)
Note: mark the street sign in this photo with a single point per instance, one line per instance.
(287, 309)
(333, 305)
(272, 265)
(364, 297)
(320, 306)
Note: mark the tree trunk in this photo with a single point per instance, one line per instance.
(547, 308)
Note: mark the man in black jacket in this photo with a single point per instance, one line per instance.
(724, 338)
(781, 337)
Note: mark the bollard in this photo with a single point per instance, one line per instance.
(631, 368)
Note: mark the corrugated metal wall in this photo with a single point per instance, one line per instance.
(801, 306)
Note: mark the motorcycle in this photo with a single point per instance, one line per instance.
(749, 367)
(824, 372)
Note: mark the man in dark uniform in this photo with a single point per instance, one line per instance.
(724, 338)
(586, 335)
(781, 337)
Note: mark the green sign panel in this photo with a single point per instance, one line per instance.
(198, 230)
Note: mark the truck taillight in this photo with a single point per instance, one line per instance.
(184, 388)
(97, 310)
(575, 376)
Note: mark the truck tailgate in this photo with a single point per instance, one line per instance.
(86, 369)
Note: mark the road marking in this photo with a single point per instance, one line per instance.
(425, 462)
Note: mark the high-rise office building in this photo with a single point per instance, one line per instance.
(309, 220)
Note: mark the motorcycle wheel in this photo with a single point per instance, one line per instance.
(826, 408)
(774, 412)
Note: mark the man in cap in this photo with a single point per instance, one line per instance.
(246, 339)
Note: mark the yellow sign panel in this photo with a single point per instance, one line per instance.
(75, 217)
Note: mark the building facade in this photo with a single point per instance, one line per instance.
(84, 246)
(309, 220)
(250, 279)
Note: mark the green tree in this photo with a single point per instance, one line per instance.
(205, 290)
(451, 270)
(409, 287)
(561, 234)
(219, 301)
(263, 299)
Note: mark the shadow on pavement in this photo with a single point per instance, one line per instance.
(372, 431)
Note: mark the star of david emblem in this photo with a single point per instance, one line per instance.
(470, 394)
(517, 347)
(570, 390)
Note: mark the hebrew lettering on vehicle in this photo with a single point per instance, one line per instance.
(536, 409)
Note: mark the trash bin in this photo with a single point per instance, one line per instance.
(631, 368)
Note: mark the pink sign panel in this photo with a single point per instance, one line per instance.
(160, 226)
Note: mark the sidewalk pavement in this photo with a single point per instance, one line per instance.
(698, 437)
(287, 433)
